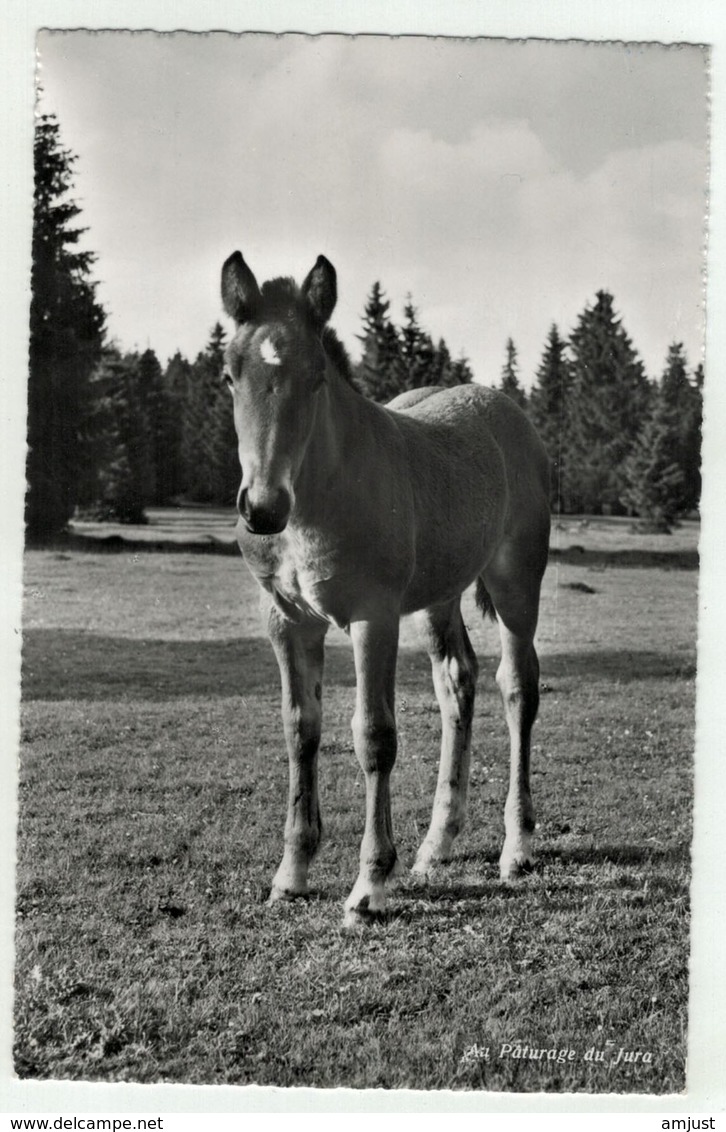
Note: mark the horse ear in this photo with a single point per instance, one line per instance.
(320, 290)
(240, 293)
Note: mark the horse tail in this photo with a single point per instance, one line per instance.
(484, 601)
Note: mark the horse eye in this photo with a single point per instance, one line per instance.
(227, 378)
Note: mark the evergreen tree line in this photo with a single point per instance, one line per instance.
(112, 432)
(619, 443)
(154, 435)
(397, 358)
(67, 330)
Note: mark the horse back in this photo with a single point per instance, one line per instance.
(409, 398)
(481, 427)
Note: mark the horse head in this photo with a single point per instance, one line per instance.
(275, 367)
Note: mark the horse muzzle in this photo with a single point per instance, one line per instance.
(266, 516)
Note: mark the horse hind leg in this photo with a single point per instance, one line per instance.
(454, 669)
(516, 603)
(518, 680)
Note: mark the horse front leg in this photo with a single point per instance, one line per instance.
(375, 646)
(299, 649)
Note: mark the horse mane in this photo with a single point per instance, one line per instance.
(339, 356)
(281, 298)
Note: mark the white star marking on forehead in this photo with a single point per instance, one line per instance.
(269, 354)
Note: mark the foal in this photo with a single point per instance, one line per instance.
(353, 514)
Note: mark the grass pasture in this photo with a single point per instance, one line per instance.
(152, 797)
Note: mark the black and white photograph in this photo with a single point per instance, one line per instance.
(366, 396)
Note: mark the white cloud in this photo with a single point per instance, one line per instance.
(502, 184)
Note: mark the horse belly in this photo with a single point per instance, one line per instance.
(461, 498)
(443, 571)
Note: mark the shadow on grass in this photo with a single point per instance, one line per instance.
(204, 543)
(69, 664)
(629, 559)
(548, 876)
(607, 854)
(610, 854)
(622, 666)
(122, 544)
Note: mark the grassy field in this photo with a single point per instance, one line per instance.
(152, 797)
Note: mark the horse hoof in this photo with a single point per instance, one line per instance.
(366, 904)
(360, 919)
(284, 896)
(427, 861)
(510, 871)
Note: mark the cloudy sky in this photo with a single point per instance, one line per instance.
(500, 183)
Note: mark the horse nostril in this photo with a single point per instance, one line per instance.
(268, 516)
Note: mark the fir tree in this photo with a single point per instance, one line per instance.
(205, 421)
(215, 348)
(676, 393)
(176, 380)
(446, 371)
(675, 386)
(396, 359)
(461, 371)
(609, 400)
(653, 479)
(691, 433)
(120, 439)
(683, 401)
(153, 403)
(377, 373)
(442, 365)
(417, 351)
(548, 403)
(510, 379)
(421, 362)
(66, 338)
(225, 458)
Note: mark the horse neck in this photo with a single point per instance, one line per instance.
(347, 432)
